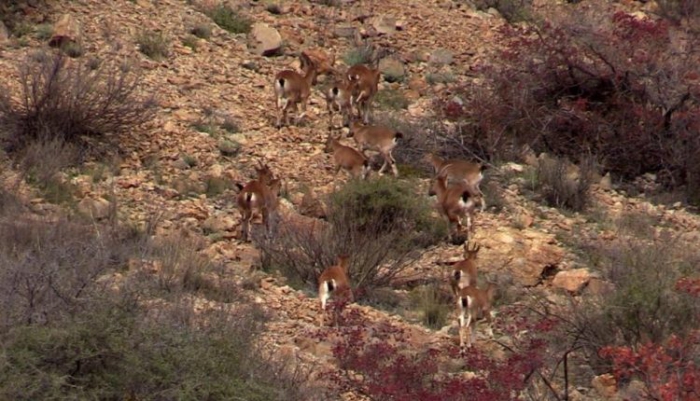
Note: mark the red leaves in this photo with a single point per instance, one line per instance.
(689, 285)
(668, 371)
(380, 361)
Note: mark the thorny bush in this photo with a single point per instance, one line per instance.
(63, 99)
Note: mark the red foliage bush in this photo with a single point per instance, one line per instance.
(378, 361)
(623, 88)
(668, 370)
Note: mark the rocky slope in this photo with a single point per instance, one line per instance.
(223, 79)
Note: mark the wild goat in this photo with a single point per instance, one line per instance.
(365, 83)
(379, 138)
(339, 98)
(260, 194)
(292, 89)
(464, 272)
(460, 170)
(334, 280)
(454, 202)
(474, 303)
(324, 63)
(347, 158)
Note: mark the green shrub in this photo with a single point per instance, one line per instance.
(202, 31)
(229, 148)
(44, 31)
(155, 45)
(230, 20)
(392, 99)
(384, 224)
(363, 54)
(72, 49)
(441, 77)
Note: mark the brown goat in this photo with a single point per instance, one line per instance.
(334, 280)
(292, 89)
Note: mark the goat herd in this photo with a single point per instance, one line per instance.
(456, 184)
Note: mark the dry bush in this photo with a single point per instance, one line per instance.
(155, 45)
(51, 269)
(60, 99)
(644, 304)
(43, 172)
(383, 224)
(79, 321)
(560, 186)
(434, 303)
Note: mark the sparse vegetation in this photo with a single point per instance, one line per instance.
(83, 331)
(512, 10)
(229, 19)
(202, 31)
(191, 42)
(434, 305)
(645, 304)
(66, 102)
(562, 184)
(215, 186)
(155, 45)
(392, 99)
(362, 54)
(381, 223)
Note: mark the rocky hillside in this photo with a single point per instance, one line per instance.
(215, 120)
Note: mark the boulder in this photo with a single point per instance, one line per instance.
(383, 25)
(265, 40)
(392, 69)
(97, 208)
(441, 56)
(572, 280)
(4, 32)
(65, 31)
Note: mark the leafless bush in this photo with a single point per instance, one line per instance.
(50, 269)
(63, 99)
(563, 186)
